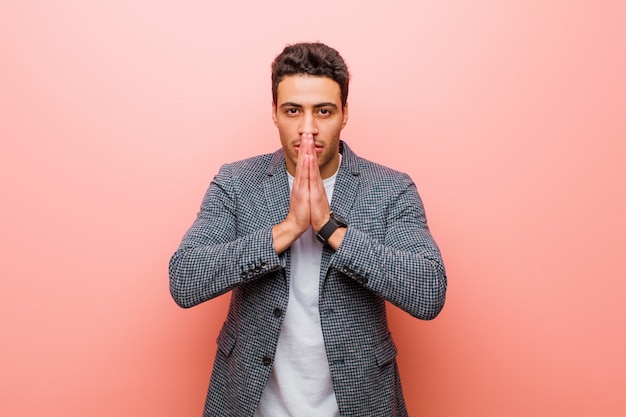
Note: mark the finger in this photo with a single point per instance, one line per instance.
(306, 142)
(299, 205)
(301, 163)
(309, 149)
(318, 200)
(316, 184)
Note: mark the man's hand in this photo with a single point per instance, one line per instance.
(318, 201)
(308, 205)
(299, 215)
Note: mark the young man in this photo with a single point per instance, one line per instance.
(311, 240)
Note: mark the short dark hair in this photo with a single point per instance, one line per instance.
(314, 59)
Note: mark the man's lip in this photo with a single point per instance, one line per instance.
(318, 148)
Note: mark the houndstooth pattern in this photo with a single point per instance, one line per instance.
(387, 253)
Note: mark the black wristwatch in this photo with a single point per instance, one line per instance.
(329, 228)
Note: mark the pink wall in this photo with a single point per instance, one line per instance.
(510, 116)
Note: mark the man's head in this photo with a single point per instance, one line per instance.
(310, 89)
(314, 59)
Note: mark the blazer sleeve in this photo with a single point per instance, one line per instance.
(404, 267)
(212, 258)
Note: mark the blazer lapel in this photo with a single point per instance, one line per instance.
(347, 182)
(346, 187)
(276, 189)
(277, 194)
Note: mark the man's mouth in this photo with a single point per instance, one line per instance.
(318, 148)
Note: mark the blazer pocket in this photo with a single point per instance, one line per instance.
(226, 340)
(386, 352)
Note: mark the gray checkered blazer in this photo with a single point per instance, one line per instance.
(387, 254)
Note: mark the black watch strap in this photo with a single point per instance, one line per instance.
(329, 228)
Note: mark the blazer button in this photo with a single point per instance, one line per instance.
(267, 361)
(278, 312)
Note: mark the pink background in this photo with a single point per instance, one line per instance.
(510, 116)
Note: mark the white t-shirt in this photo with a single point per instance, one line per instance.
(300, 383)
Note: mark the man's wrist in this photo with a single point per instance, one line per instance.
(336, 238)
(317, 228)
(283, 235)
(325, 232)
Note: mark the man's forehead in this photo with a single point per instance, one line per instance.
(308, 89)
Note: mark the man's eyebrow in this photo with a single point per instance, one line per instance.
(316, 106)
(290, 104)
(329, 104)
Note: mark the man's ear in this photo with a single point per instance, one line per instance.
(274, 114)
(345, 115)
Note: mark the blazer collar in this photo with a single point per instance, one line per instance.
(276, 186)
(347, 182)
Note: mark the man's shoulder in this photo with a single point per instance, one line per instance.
(376, 168)
(376, 171)
(258, 164)
(248, 175)
(251, 162)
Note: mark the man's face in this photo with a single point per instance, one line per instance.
(310, 104)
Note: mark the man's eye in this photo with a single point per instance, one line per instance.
(324, 112)
(292, 111)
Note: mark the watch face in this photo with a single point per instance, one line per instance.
(338, 219)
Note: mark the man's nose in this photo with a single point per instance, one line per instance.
(308, 124)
